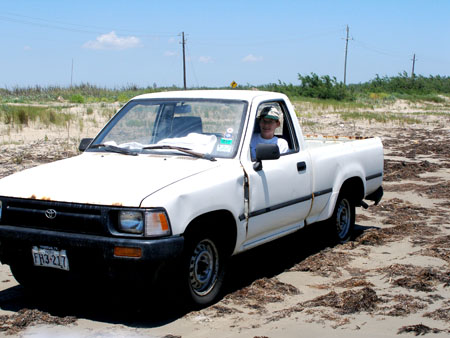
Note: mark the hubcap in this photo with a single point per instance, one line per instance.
(204, 267)
(343, 218)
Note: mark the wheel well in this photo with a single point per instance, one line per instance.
(220, 223)
(354, 188)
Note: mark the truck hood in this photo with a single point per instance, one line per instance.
(102, 178)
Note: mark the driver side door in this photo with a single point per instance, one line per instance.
(279, 195)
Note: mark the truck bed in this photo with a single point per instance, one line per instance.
(316, 140)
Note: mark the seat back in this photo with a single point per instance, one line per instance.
(183, 125)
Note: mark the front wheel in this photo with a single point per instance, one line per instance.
(342, 222)
(23, 274)
(38, 278)
(204, 269)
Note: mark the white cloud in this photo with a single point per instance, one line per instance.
(112, 41)
(169, 53)
(252, 58)
(205, 59)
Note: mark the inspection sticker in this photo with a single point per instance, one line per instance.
(225, 148)
(226, 141)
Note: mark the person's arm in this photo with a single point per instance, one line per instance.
(283, 145)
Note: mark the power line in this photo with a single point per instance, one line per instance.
(362, 44)
(72, 27)
(261, 41)
(52, 26)
(192, 65)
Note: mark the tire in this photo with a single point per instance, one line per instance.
(342, 222)
(22, 274)
(38, 278)
(204, 269)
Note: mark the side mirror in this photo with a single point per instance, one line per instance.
(265, 152)
(84, 143)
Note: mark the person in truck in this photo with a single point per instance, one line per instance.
(269, 121)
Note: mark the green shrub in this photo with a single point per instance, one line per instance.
(77, 98)
(123, 97)
(22, 117)
(405, 84)
(323, 87)
(52, 117)
(311, 86)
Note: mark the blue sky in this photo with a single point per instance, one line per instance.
(137, 42)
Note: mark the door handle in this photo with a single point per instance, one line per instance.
(301, 166)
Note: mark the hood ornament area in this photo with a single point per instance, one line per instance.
(50, 213)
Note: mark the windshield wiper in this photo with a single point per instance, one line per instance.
(113, 149)
(184, 150)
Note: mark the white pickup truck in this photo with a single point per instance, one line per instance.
(170, 181)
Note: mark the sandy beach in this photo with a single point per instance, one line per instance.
(391, 279)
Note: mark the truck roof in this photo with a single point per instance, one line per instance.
(231, 94)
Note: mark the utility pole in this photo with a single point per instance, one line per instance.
(413, 64)
(183, 42)
(345, 62)
(71, 75)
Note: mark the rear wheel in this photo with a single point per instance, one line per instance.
(342, 221)
(204, 267)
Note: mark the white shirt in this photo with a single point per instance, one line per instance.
(257, 139)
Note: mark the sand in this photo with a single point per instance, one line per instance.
(392, 278)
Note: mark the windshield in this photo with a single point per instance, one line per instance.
(210, 127)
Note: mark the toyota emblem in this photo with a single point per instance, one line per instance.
(50, 213)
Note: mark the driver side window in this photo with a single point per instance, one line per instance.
(285, 130)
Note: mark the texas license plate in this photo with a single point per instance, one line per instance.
(50, 257)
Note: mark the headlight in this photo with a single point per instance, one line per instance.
(131, 222)
(148, 223)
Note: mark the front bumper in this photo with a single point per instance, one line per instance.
(86, 251)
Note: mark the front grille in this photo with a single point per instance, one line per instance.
(70, 217)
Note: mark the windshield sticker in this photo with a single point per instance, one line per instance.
(225, 148)
(226, 141)
(230, 130)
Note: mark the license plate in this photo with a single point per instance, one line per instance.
(50, 257)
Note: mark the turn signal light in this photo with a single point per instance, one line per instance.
(123, 251)
(156, 224)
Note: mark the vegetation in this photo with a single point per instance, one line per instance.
(380, 89)
(311, 86)
(404, 84)
(84, 93)
(318, 92)
(378, 117)
(23, 115)
(417, 88)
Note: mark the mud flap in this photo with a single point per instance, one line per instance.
(375, 196)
